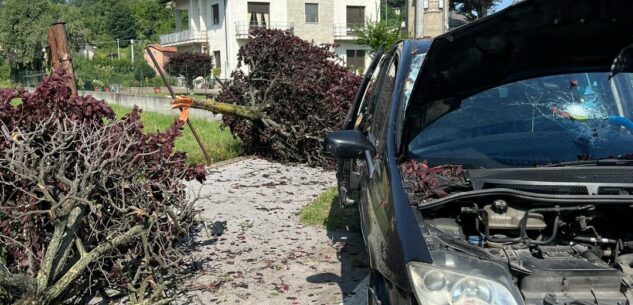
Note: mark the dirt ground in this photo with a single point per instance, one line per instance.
(265, 256)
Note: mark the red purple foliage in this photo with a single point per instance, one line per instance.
(298, 85)
(190, 65)
(430, 183)
(52, 98)
(60, 154)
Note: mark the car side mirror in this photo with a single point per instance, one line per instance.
(347, 144)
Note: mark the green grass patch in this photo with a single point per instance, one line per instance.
(325, 211)
(7, 84)
(220, 144)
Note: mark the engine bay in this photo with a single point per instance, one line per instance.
(557, 253)
(558, 250)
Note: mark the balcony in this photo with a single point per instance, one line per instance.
(242, 28)
(183, 38)
(344, 31)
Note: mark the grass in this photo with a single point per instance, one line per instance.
(7, 84)
(325, 211)
(220, 144)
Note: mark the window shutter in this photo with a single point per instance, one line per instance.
(254, 7)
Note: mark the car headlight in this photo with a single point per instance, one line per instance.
(442, 285)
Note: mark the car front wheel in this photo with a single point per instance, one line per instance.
(377, 293)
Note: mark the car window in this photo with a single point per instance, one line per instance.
(352, 120)
(363, 111)
(414, 69)
(377, 129)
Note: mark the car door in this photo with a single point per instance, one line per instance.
(374, 185)
(347, 174)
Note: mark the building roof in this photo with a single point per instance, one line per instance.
(164, 49)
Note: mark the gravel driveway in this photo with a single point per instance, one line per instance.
(266, 256)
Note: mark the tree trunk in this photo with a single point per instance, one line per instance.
(250, 113)
(49, 294)
(246, 112)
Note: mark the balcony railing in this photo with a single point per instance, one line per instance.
(346, 30)
(183, 37)
(242, 28)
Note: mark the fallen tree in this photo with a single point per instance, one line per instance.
(89, 204)
(294, 93)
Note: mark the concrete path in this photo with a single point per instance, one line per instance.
(266, 256)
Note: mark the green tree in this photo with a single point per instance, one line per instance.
(389, 15)
(393, 12)
(95, 16)
(379, 34)
(151, 19)
(23, 31)
(146, 18)
(473, 9)
(395, 3)
(77, 28)
(121, 24)
(142, 70)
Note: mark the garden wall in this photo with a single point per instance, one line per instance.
(149, 103)
(156, 104)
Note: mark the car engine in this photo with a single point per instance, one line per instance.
(561, 248)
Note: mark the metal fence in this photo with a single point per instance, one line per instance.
(243, 28)
(345, 30)
(29, 78)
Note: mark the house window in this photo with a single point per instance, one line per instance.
(356, 59)
(216, 13)
(355, 18)
(218, 62)
(312, 12)
(259, 14)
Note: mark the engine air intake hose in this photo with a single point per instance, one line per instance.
(587, 254)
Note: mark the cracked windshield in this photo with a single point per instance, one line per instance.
(535, 122)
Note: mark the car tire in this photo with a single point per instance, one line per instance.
(377, 293)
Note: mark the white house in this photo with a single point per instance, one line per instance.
(220, 27)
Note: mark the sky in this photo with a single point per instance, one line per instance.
(503, 4)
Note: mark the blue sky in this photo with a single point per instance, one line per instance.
(503, 4)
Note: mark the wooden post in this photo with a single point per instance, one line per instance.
(173, 96)
(53, 56)
(60, 53)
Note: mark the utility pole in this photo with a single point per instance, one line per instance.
(60, 53)
(118, 49)
(419, 18)
(132, 47)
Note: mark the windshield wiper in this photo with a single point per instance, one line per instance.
(599, 162)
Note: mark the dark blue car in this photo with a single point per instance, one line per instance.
(493, 165)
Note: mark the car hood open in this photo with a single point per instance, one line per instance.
(529, 39)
